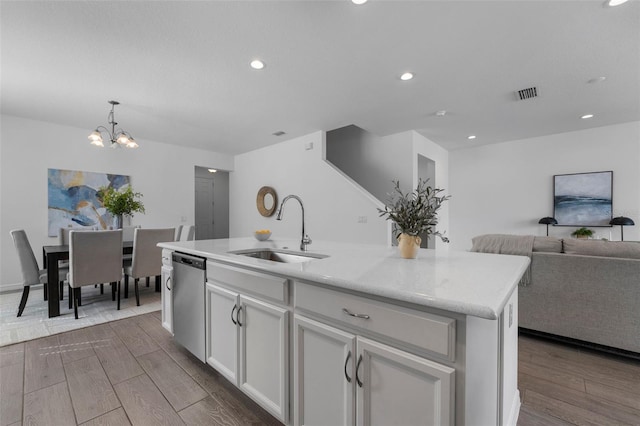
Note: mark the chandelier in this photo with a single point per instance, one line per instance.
(118, 137)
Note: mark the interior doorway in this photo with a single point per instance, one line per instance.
(427, 170)
(211, 203)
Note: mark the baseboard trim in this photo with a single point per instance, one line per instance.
(515, 410)
(10, 288)
(581, 343)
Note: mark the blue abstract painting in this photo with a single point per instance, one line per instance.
(73, 200)
(583, 199)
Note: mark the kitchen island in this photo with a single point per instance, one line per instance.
(360, 335)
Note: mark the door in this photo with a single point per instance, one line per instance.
(399, 388)
(204, 208)
(264, 354)
(222, 331)
(324, 365)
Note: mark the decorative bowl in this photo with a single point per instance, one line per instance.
(262, 234)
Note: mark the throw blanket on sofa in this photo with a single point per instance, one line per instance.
(520, 245)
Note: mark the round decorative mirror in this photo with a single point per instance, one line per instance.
(266, 201)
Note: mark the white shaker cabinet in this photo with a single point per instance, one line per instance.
(344, 379)
(399, 388)
(247, 339)
(222, 331)
(165, 292)
(324, 366)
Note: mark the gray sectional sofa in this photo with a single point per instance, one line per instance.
(587, 290)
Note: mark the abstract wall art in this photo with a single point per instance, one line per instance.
(73, 200)
(583, 199)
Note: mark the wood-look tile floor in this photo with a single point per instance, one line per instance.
(119, 373)
(131, 372)
(564, 385)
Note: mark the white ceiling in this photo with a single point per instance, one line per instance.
(180, 68)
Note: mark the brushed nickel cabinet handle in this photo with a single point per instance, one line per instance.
(363, 316)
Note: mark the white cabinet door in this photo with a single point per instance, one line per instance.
(166, 296)
(222, 331)
(399, 388)
(324, 365)
(264, 354)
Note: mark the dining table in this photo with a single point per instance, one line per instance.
(51, 255)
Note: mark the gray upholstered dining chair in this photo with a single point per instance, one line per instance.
(128, 232)
(178, 233)
(188, 233)
(31, 274)
(147, 256)
(63, 240)
(94, 258)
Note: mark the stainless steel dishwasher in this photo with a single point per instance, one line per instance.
(189, 276)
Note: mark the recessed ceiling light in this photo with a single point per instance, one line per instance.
(472, 137)
(212, 170)
(406, 76)
(587, 116)
(278, 133)
(441, 113)
(613, 3)
(597, 80)
(257, 64)
(358, 1)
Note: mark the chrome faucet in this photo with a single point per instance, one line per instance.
(305, 241)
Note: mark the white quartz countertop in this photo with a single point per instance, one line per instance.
(476, 284)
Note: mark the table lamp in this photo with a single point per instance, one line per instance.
(548, 221)
(622, 221)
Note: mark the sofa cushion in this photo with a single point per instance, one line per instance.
(547, 244)
(621, 249)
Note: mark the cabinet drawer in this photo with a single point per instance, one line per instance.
(430, 332)
(267, 286)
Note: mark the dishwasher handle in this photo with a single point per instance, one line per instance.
(188, 260)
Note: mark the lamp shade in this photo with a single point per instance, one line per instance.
(622, 221)
(548, 221)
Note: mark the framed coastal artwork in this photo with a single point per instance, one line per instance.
(73, 200)
(583, 199)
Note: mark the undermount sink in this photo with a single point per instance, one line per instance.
(281, 256)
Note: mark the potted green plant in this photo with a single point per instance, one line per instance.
(120, 203)
(582, 233)
(415, 213)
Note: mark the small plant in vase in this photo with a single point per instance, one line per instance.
(415, 213)
(120, 203)
(582, 233)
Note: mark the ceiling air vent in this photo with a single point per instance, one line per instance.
(528, 93)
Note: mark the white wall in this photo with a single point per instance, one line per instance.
(508, 187)
(332, 203)
(431, 150)
(163, 173)
(372, 161)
